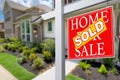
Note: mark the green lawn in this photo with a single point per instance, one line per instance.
(72, 77)
(10, 63)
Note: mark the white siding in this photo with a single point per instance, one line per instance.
(48, 34)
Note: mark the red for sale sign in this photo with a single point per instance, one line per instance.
(91, 35)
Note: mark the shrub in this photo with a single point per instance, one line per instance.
(22, 60)
(26, 48)
(26, 53)
(102, 69)
(47, 56)
(34, 50)
(48, 45)
(88, 72)
(108, 61)
(3, 40)
(114, 70)
(84, 65)
(32, 57)
(20, 49)
(37, 63)
(2, 49)
(5, 46)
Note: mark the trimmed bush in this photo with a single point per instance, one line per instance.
(3, 40)
(20, 49)
(37, 63)
(84, 65)
(34, 50)
(47, 56)
(114, 70)
(32, 56)
(22, 60)
(48, 45)
(103, 69)
(26, 53)
(108, 61)
(26, 48)
(2, 49)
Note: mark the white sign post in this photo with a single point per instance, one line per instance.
(59, 40)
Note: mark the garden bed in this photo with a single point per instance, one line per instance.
(93, 74)
(34, 57)
(27, 65)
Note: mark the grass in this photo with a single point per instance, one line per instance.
(72, 77)
(10, 63)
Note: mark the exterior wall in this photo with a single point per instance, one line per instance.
(47, 34)
(17, 31)
(9, 26)
(16, 13)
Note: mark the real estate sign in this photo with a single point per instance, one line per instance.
(90, 35)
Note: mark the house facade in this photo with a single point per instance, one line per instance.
(2, 29)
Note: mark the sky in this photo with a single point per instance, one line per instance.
(27, 3)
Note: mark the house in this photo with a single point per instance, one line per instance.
(74, 8)
(10, 11)
(1, 29)
(18, 21)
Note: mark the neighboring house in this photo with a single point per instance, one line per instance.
(11, 10)
(1, 29)
(31, 28)
(18, 21)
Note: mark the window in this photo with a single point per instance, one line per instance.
(25, 30)
(27, 27)
(49, 26)
(7, 16)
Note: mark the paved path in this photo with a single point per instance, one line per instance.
(5, 75)
(50, 74)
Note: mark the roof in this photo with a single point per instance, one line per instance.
(15, 5)
(44, 7)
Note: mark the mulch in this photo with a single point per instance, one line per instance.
(94, 74)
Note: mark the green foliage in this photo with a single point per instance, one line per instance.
(3, 40)
(32, 56)
(84, 65)
(23, 59)
(5, 46)
(14, 40)
(37, 63)
(103, 69)
(34, 50)
(20, 49)
(48, 45)
(72, 77)
(2, 49)
(26, 53)
(114, 70)
(108, 61)
(26, 48)
(47, 56)
(88, 72)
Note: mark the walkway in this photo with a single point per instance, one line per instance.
(50, 74)
(5, 75)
